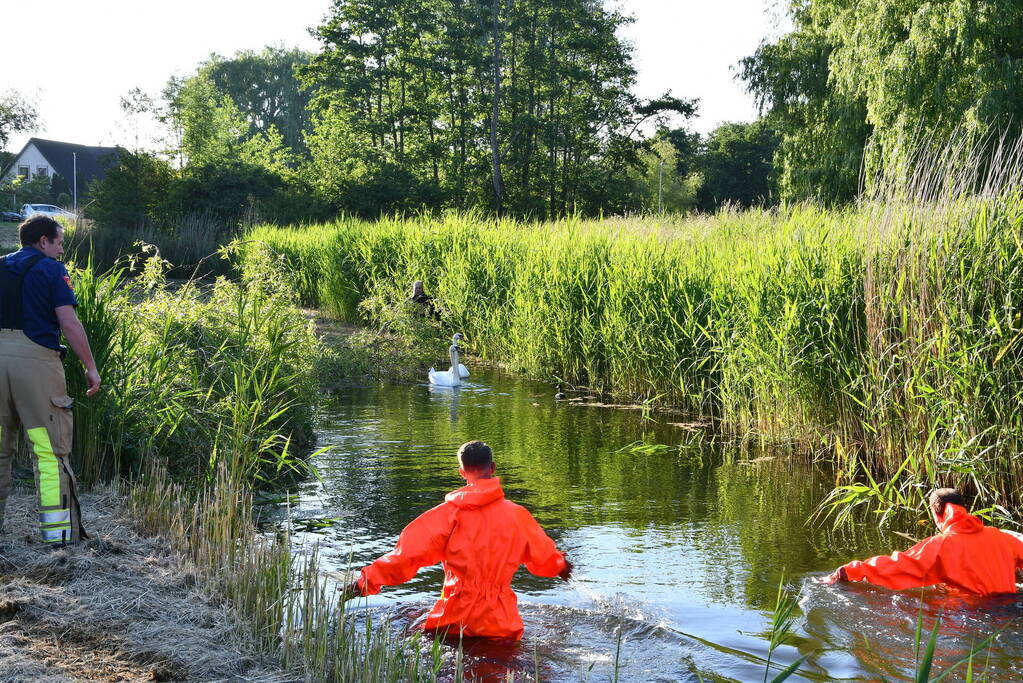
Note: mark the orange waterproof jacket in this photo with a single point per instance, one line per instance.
(481, 538)
(966, 556)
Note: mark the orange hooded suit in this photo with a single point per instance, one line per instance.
(966, 556)
(481, 538)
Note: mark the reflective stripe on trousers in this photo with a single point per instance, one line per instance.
(54, 516)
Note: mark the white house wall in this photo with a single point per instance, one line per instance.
(33, 158)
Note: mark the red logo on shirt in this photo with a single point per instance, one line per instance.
(67, 281)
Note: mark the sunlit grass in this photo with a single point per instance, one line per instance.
(194, 376)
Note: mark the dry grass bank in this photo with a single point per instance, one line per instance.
(119, 607)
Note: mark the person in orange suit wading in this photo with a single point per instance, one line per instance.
(482, 538)
(966, 557)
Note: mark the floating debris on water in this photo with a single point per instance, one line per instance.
(314, 524)
(690, 426)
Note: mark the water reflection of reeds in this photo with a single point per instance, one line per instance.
(695, 534)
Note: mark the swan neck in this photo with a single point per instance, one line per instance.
(453, 351)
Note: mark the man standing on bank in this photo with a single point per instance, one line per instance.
(37, 303)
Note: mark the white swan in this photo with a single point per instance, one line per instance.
(451, 377)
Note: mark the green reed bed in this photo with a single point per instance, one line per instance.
(194, 376)
(187, 243)
(889, 334)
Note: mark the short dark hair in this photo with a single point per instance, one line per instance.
(941, 497)
(34, 228)
(475, 455)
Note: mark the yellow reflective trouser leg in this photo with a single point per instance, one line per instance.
(36, 390)
(54, 490)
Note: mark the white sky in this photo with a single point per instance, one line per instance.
(89, 54)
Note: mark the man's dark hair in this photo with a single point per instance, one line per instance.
(475, 455)
(940, 497)
(36, 227)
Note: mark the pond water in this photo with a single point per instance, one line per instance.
(679, 549)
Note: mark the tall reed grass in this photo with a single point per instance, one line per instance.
(887, 334)
(194, 375)
(185, 243)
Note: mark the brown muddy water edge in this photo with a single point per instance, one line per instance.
(117, 607)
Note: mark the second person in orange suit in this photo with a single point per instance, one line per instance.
(966, 557)
(481, 538)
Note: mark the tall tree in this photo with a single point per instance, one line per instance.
(522, 106)
(211, 126)
(737, 165)
(17, 115)
(928, 71)
(823, 131)
(227, 168)
(663, 181)
(265, 91)
(495, 98)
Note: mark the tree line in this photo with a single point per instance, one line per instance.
(512, 107)
(526, 108)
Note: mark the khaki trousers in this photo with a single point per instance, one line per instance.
(33, 396)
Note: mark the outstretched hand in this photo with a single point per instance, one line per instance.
(834, 577)
(350, 591)
(566, 573)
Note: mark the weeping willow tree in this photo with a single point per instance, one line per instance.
(856, 87)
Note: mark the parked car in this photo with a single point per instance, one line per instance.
(45, 209)
(11, 216)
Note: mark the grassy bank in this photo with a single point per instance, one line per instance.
(886, 335)
(122, 606)
(282, 602)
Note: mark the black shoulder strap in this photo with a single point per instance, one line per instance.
(29, 264)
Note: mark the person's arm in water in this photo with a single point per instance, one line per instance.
(73, 331)
(420, 544)
(541, 557)
(913, 568)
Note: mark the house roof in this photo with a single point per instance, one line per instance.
(92, 162)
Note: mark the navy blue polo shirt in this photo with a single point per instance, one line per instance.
(45, 287)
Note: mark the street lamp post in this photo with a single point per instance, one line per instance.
(660, 184)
